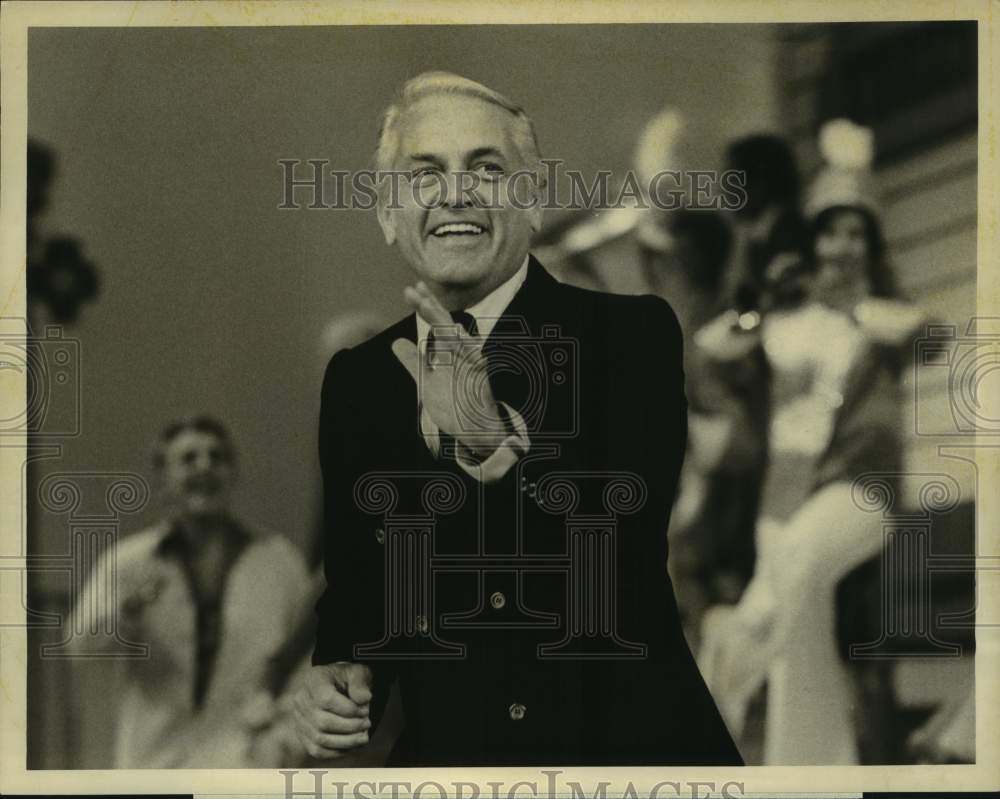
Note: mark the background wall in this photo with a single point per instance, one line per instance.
(212, 299)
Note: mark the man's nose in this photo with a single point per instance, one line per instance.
(458, 189)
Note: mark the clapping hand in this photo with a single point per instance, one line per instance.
(453, 382)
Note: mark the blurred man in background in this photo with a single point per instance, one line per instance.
(214, 600)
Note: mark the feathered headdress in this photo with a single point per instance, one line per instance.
(659, 143)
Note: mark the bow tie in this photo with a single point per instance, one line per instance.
(467, 321)
(463, 318)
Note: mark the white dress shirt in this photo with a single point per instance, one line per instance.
(486, 312)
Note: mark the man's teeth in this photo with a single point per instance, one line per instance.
(457, 227)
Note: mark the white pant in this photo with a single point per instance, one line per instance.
(784, 631)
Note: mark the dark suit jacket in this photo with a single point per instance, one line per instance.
(537, 623)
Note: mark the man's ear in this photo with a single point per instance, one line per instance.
(536, 216)
(535, 212)
(387, 222)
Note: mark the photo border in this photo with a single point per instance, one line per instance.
(17, 17)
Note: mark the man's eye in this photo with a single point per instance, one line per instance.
(422, 173)
(490, 170)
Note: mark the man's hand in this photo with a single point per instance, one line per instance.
(138, 590)
(459, 379)
(331, 709)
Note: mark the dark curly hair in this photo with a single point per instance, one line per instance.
(772, 176)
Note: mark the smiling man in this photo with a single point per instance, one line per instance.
(499, 469)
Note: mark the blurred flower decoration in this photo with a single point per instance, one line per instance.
(59, 276)
(63, 279)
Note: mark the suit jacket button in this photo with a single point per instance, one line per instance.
(423, 626)
(498, 600)
(517, 711)
(380, 535)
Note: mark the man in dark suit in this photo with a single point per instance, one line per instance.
(499, 469)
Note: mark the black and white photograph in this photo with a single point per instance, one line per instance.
(477, 394)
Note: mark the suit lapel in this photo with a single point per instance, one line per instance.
(516, 357)
(525, 313)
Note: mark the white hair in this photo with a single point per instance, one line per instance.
(432, 83)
